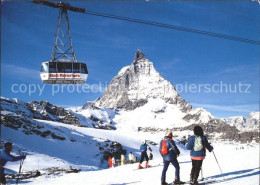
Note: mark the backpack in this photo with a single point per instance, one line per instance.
(164, 149)
(198, 145)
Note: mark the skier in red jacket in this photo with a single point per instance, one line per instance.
(110, 162)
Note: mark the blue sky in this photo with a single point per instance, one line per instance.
(107, 45)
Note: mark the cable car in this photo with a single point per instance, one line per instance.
(63, 67)
(64, 72)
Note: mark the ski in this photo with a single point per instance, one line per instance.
(24, 175)
(201, 182)
(37, 173)
(188, 182)
(206, 181)
(148, 167)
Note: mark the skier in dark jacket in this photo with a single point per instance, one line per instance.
(197, 154)
(170, 157)
(143, 149)
(6, 156)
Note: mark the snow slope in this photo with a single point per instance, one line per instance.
(235, 170)
(154, 114)
(240, 166)
(80, 145)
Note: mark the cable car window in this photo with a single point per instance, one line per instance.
(44, 67)
(84, 69)
(68, 67)
(76, 68)
(52, 67)
(60, 67)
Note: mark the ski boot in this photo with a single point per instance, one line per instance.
(146, 165)
(140, 166)
(191, 180)
(164, 183)
(195, 180)
(178, 182)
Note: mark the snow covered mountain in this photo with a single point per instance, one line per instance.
(88, 116)
(135, 84)
(250, 123)
(144, 100)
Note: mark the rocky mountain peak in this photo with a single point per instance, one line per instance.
(134, 85)
(139, 55)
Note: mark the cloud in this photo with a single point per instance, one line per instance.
(169, 65)
(235, 108)
(242, 69)
(19, 72)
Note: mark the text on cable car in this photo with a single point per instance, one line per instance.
(64, 75)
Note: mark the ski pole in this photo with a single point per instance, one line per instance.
(20, 168)
(202, 178)
(219, 166)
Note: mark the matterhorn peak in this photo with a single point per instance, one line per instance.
(136, 84)
(139, 55)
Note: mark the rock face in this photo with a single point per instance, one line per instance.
(38, 110)
(250, 123)
(237, 121)
(134, 85)
(19, 115)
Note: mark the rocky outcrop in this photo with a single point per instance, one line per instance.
(250, 123)
(226, 132)
(38, 110)
(45, 110)
(134, 85)
(30, 127)
(108, 149)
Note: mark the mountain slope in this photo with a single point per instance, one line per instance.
(37, 110)
(145, 101)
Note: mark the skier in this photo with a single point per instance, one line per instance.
(170, 157)
(5, 157)
(122, 159)
(197, 144)
(113, 162)
(143, 149)
(131, 158)
(110, 162)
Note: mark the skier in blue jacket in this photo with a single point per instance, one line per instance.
(170, 157)
(6, 156)
(143, 149)
(197, 144)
